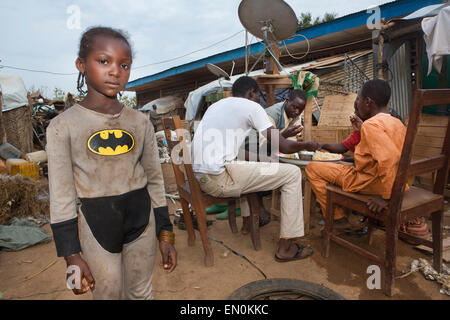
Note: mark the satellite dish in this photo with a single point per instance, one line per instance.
(269, 20)
(217, 71)
(276, 16)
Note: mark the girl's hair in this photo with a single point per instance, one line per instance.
(87, 40)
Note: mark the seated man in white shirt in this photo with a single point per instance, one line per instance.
(215, 147)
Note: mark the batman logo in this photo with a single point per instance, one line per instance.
(111, 142)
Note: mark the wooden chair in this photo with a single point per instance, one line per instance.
(403, 205)
(190, 193)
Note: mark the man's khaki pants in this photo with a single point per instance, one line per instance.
(241, 177)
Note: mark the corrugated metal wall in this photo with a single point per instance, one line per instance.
(332, 79)
(400, 80)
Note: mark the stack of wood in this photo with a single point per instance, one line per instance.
(334, 124)
(17, 124)
(428, 143)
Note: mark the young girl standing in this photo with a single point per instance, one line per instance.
(106, 155)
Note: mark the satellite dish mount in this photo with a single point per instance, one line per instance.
(272, 21)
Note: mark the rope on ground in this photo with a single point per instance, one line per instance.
(239, 255)
(38, 273)
(408, 273)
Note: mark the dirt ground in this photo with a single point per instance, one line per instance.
(343, 272)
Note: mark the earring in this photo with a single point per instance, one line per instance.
(80, 84)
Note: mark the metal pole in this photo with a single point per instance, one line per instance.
(246, 52)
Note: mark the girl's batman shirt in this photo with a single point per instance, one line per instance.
(91, 156)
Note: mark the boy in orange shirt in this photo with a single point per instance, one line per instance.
(376, 156)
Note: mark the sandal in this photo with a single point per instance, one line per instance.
(297, 256)
(224, 215)
(264, 221)
(216, 208)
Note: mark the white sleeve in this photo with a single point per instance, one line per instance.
(258, 118)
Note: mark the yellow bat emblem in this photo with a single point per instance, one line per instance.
(111, 142)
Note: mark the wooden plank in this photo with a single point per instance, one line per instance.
(445, 249)
(336, 110)
(307, 133)
(436, 96)
(428, 131)
(429, 120)
(425, 152)
(330, 134)
(426, 165)
(435, 142)
(360, 251)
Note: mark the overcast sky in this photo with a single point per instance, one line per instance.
(45, 34)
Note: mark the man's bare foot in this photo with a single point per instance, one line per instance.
(294, 252)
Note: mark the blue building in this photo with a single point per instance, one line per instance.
(347, 34)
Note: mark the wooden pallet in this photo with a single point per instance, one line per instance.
(428, 143)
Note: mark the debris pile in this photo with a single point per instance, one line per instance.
(163, 148)
(20, 198)
(44, 110)
(430, 274)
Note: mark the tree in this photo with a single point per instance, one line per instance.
(127, 101)
(305, 20)
(58, 94)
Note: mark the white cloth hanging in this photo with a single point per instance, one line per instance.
(437, 38)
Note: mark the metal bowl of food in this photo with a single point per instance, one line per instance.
(306, 155)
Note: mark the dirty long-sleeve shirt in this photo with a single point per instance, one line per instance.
(93, 156)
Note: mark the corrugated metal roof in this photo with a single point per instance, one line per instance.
(400, 80)
(321, 36)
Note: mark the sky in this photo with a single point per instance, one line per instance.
(44, 35)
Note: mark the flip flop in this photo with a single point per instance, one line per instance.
(264, 221)
(297, 255)
(224, 215)
(216, 208)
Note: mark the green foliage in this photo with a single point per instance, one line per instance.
(127, 101)
(58, 94)
(305, 20)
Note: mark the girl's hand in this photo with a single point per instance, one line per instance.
(81, 271)
(169, 256)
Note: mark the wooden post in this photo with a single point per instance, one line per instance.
(307, 131)
(382, 71)
(270, 95)
(2, 128)
(419, 67)
(246, 52)
(273, 68)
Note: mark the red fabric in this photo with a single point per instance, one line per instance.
(352, 141)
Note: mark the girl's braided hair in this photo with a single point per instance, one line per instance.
(86, 42)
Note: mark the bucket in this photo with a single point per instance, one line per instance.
(3, 169)
(10, 162)
(38, 157)
(8, 151)
(25, 169)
